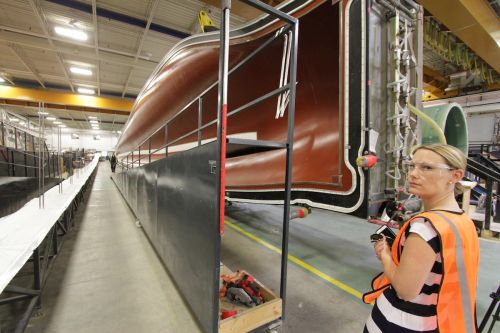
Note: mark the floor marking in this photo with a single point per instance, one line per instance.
(299, 262)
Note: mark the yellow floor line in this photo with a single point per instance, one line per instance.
(299, 262)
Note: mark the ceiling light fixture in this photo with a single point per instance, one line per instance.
(57, 122)
(71, 33)
(82, 71)
(91, 117)
(2, 80)
(51, 118)
(14, 120)
(62, 126)
(86, 91)
(43, 113)
(93, 122)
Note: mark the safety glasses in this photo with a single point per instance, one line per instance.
(425, 168)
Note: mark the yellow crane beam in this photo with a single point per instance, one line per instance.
(61, 100)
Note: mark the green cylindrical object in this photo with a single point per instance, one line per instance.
(451, 119)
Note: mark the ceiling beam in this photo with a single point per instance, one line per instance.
(61, 79)
(66, 99)
(13, 35)
(19, 53)
(151, 14)
(40, 44)
(81, 120)
(471, 21)
(435, 80)
(6, 78)
(42, 21)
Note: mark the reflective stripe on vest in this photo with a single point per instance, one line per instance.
(464, 285)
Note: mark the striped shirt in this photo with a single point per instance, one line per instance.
(392, 314)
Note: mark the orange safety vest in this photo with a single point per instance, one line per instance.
(460, 258)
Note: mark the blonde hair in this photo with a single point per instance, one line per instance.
(453, 156)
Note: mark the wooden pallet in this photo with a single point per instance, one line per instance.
(247, 318)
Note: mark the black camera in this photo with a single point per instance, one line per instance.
(390, 236)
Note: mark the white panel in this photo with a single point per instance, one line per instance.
(119, 36)
(481, 128)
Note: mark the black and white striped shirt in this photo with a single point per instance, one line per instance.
(392, 314)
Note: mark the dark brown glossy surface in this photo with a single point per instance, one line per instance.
(317, 137)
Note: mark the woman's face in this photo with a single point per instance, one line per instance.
(429, 176)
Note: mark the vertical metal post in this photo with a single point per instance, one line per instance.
(149, 160)
(59, 153)
(34, 153)
(166, 140)
(13, 163)
(15, 138)
(25, 156)
(487, 213)
(54, 239)
(36, 272)
(289, 157)
(42, 139)
(132, 158)
(3, 134)
(200, 115)
(140, 146)
(127, 162)
(39, 158)
(221, 140)
(497, 211)
(222, 108)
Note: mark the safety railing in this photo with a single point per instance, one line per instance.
(231, 147)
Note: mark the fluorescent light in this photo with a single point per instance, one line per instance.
(43, 113)
(93, 122)
(57, 122)
(51, 118)
(2, 80)
(91, 117)
(86, 91)
(71, 33)
(119, 132)
(82, 71)
(62, 125)
(14, 120)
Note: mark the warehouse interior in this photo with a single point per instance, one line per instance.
(220, 166)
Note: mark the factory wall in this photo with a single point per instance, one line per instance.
(100, 141)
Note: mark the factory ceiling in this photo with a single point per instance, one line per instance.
(461, 47)
(108, 48)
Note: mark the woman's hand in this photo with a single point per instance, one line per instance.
(382, 248)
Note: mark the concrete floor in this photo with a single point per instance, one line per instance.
(108, 278)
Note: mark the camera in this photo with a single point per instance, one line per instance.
(390, 236)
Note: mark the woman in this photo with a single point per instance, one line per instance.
(430, 274)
